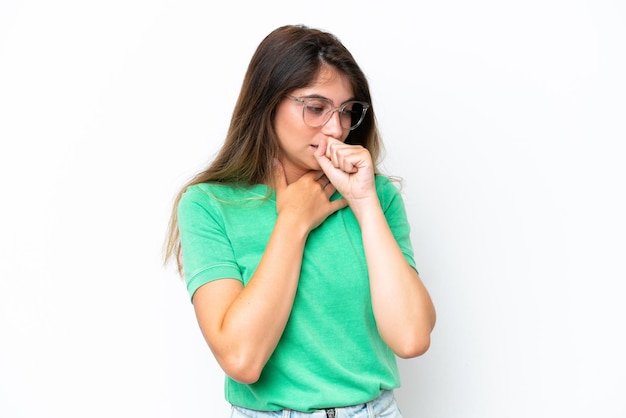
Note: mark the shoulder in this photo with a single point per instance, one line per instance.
(202, 195)
(388, 187)
(215, 199)
(216, 193)
(384, 181)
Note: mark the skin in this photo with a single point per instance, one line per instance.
(242, 325)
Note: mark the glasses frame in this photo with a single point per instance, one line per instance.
(304, 102)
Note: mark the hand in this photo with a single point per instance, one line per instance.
(307, 200)
(349, 168)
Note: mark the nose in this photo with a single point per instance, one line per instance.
(333, 126)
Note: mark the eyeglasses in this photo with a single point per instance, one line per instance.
(317, 111)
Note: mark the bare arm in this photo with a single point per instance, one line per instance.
(404, 312)
(242, 325)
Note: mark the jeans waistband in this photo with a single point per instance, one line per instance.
(376, 407)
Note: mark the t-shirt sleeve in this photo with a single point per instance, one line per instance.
(207, 254)
(395, 213)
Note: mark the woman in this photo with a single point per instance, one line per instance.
(295, 250)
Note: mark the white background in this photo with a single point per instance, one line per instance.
(505, 119)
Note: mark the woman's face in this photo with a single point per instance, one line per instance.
(297, 140)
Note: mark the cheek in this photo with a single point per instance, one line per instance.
(285, 123)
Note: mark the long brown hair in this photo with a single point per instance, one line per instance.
(289, 58)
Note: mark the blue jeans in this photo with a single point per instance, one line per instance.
(384, 406)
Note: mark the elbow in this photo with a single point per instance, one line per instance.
(416, 343)
(241, 371)
(245, 377)
(413, 347)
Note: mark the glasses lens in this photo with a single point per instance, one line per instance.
(352, 114)
(316, 112)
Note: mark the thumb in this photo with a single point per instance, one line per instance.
(320, 156)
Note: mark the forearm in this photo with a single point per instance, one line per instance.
(403, 309)
(251, 321)
(254, 322)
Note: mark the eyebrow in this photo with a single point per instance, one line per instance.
(319, 96)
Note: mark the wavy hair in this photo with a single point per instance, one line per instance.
(289, 58)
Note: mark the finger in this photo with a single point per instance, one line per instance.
(348, 161)
(333, 147)
(312, 176)
(341, 156)
(322, 159)
(338, 204)
(322, 178)
(321, 148)
(329, 189)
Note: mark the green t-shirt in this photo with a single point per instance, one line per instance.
(331, 353)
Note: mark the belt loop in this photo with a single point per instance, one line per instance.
(370, 409)
(286, 413)
(330, 413)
